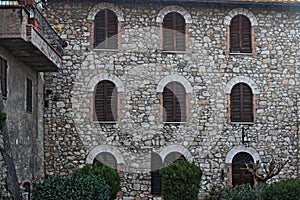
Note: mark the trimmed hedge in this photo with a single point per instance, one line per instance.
(283, 190)
(109, 174)
(241, 192)
(181, 181)
(72, 187)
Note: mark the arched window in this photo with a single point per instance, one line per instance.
(174, 102)
(156, 164)
(106, 30)
(174, 32)
(240, 175)
(106, 101)
(174, 157)
(107, 159)
(241, 103)
(240, 34)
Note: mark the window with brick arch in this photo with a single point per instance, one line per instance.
(174, 102)
(3, 76)
(240, 35)
(241, 103)
(106, 30)
(106, 100)
(174, 32)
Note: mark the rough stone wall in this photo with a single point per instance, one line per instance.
(24, 128)
(4, 194)
(139, 67)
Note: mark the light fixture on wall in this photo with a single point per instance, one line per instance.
(244, 136)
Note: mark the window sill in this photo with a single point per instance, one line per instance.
(107, 50)
(174, 123)
(242, 54)
(174, 52)
(104, 122)
(241, 123)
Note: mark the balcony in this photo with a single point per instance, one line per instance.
(28, 35)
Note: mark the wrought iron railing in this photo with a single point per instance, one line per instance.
(47, 31)
(37, 20)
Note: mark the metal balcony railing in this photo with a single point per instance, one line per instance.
(37, 19)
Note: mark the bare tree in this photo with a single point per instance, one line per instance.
(263, 172)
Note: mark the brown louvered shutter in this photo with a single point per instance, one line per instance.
(240, 35)
(3, 76)
(106, 30)
(241, 103)
(174, 32)
(174, 102)
(106, 101)
(156, 164)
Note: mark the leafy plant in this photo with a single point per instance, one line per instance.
(72, 187)
(109, 174)
(181, 181)
(287, 190)
(241, 192)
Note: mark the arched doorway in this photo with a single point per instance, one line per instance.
(240, 175)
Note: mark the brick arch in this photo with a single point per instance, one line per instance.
(102, 149)
(176, 148)
(242, 79)
(176, 78)
(105, 76)
(239, 149)
(240, 11)
(174, 8)
(100, 6)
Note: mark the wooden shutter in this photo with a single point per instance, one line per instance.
(28, 95)
(174, 102)
(156, 164)
(240, 176)
(106, 30)
(174, 32)
(241, 99)
(106, 101)
(3, 76)
(240, 35)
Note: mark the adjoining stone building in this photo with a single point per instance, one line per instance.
(146, 82)
(28, 48)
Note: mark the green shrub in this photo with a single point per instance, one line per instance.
(283, 190)
(72, 187)
(180, 181)
(110, 175)
(241, 192)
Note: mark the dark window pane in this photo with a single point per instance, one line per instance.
(3, 76)
(28, 95)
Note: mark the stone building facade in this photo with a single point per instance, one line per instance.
(207, 69)
(26, 52)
